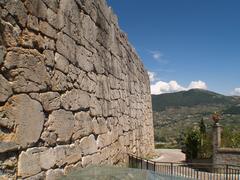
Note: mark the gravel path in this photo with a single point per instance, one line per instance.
(169, 155)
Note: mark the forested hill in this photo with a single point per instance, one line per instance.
(191, 98)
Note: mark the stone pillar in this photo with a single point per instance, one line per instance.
(216, 139)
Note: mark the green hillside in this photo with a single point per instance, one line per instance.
(173, 113)
(189, 98)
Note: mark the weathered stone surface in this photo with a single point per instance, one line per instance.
(31, 40)
(62, 63)
(32, 23)
(5, 89)
(66, 47)
(28, 163)
(37, 8)
(2, 53)
(95, 107)
(46, 29)
(49, 43)
(88, 84)
(39, 176)
(9, 33)
(8, 146)
(17, 9)
(84, 59)
(49, 58)
(88, 145)
(68, 154)
(53, 4)
(25, 114)
(75, 100)
(53, 18)
(54, 174)
(104, 140)
(59, 81)
(82, 125)
(50, 101)
(48, 159)
(100, 126)
(59, 119)
(27, 70)
(93, 159)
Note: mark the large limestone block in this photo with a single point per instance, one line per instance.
(29, 162)
(25, 116)
(48, 158)
(70, 10)
(68, 154)
(59, 81)
(49, 100)
(61, 63)
(37, 8)
(100, 126)
(53, 4)
(54, 174)
(66, 47)
(32, 23)
(46, 29)
(27, 70)
(5, 89)
(84, 59)
(88, 84)
(103, 87)
(95, 107)
(88, 145)
(17, 9)
(62, 123)
(88, 28)
(104, 140)
(75, 100)
(82, 125)
(9, 33)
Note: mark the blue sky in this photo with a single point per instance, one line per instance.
(185, 43)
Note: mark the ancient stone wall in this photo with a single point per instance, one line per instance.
(227, 156)
(73, 92)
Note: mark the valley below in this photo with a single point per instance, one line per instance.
(175, 113)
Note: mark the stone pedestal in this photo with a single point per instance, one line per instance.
(217, 128)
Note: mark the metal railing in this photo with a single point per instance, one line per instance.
(201, 171)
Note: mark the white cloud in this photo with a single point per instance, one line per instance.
(161, 87)
(156, 55)
(236, 92)
(152, 76)
(197, 85)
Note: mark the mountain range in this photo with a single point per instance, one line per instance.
(173, 113)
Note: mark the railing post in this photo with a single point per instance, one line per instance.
(129, 160)
(171, 169)
(154, 167)
(147, 164)
(141, 163)
(227, 171)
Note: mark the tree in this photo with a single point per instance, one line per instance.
(192, 143)
(202, 127)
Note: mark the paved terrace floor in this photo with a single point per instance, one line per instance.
(169, 155)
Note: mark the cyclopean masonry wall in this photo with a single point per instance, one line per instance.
(73, 92)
